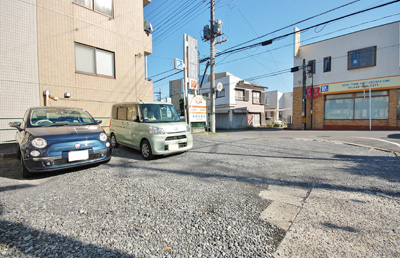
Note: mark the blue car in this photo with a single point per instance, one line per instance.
(54, 138)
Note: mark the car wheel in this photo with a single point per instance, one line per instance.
(24, 171)
(145, 148)
(113, 141)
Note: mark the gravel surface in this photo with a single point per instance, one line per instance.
(202, 203)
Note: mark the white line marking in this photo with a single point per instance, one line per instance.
(398, 145)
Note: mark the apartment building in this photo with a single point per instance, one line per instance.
(341, 73)
(80, 53)
(239, 104)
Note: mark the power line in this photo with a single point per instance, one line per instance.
(194, 12)
(166, 77)
(179, 10)
(263, 43)
(159, 8)
(319, 36)
(293, 24)
(161, 73)
(319, 62)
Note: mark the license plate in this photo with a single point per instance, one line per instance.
(173, 147)
(78, 155)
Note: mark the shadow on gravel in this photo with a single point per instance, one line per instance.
(126, 152)
(31, 242)
(333, 226)
(10, 168)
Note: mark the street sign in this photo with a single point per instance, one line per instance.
(178, 64)
(220, 86)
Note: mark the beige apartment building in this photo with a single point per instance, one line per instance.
(93, 50)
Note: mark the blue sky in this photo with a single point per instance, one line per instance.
(244, 20)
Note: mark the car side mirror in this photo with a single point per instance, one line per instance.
(15, 125)
(99, 121)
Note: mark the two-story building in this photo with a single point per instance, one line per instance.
(239, 104)
(87, 54)
(342, 72)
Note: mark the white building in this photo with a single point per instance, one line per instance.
(239, 104)
(346, 67)
(278, 106)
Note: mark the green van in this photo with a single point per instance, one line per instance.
(154, 128)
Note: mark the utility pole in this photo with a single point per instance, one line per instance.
(212, 69)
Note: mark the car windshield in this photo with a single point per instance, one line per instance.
(47, 117)
(159, 113)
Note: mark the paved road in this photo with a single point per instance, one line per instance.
(385, 140)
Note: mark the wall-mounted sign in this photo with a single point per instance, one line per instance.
(374, 83)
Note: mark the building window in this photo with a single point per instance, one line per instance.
(95, 61)
(356, 105)
(327, 64)
(101, 6)
(379, 105)
(365, 57)
(339, 106)
(239, 95)
(256, 97)
(220, 94)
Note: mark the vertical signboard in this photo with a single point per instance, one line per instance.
(197, 108)
(191, 61)
(296, 41)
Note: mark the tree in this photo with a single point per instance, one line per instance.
(182, 107)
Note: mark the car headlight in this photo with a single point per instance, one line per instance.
(187, 128)
(39, 143)
(156, 130)
(103, 137)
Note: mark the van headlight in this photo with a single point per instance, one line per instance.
(39, 143)
(187, 128)
(156, 130)
(103, 137)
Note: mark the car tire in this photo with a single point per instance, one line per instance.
(145, 148)
(113, 141)
(24, 171)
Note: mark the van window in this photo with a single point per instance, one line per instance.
(114, 112)
(121, 113)
(132, 112)
(156, 113)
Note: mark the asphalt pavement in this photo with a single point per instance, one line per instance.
(386, 140)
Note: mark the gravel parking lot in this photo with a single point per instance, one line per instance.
(202, 203)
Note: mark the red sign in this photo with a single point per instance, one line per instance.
(308, 91)
(315, 92)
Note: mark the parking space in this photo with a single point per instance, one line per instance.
(207, 202)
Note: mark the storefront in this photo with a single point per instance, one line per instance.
(350, 105)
